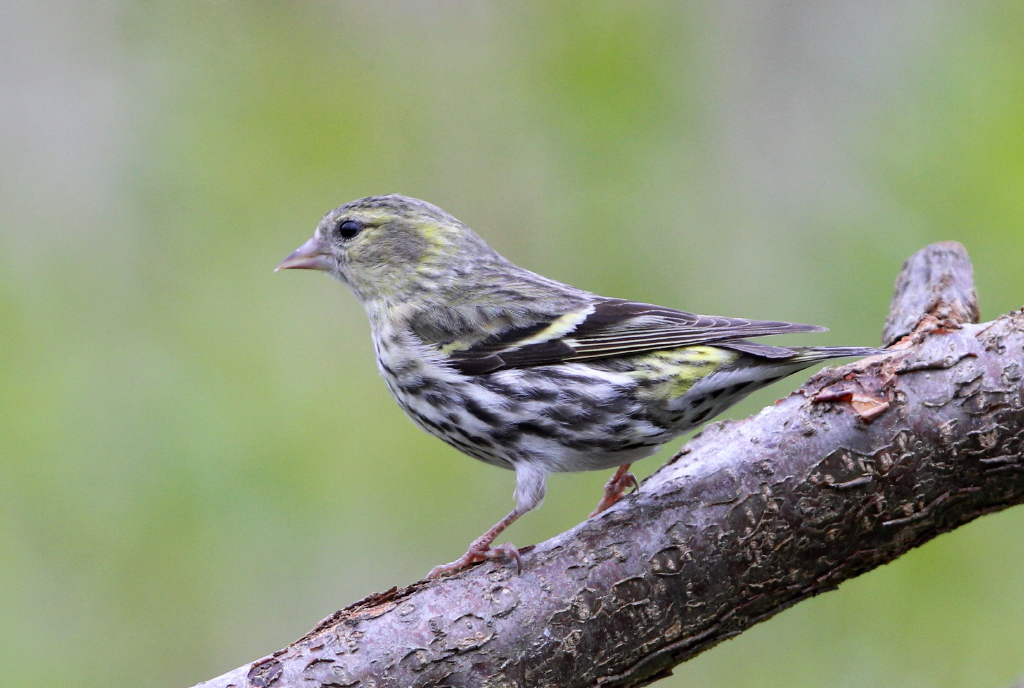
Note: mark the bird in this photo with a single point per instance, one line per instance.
(524, 372)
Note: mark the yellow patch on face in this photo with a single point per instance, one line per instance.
(373, 217)
(432, 232)
(439, 237)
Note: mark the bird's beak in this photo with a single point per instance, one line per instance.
(312, 255)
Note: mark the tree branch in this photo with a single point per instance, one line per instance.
(860, 465)
(937, 281)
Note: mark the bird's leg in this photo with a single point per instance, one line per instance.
(480, 549)
(530, 487)
(616, 486)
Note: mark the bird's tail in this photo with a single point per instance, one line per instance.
(797, 354)
(813, 354)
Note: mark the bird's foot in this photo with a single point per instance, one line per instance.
(480, 552)
(616, 486)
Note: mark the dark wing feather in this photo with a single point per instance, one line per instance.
(617, 328)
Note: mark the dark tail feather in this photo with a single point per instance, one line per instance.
(823, 353)
(798, 353)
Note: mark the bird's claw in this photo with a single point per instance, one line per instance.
(476, 554)
(629, 481)
(614, 489)
(510, 552)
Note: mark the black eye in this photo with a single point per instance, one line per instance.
(349, 228)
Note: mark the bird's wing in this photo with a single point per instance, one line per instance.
(610, 327)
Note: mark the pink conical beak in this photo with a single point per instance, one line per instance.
(312, 255)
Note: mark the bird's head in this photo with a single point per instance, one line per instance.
(389, 249)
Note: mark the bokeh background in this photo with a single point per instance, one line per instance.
(198, 460)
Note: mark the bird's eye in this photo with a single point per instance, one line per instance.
(349, 228)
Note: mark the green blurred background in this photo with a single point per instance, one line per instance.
(198, 460)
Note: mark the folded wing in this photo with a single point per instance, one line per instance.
(615, 327)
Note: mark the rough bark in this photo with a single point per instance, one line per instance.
(862, 464)
(936, 281)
